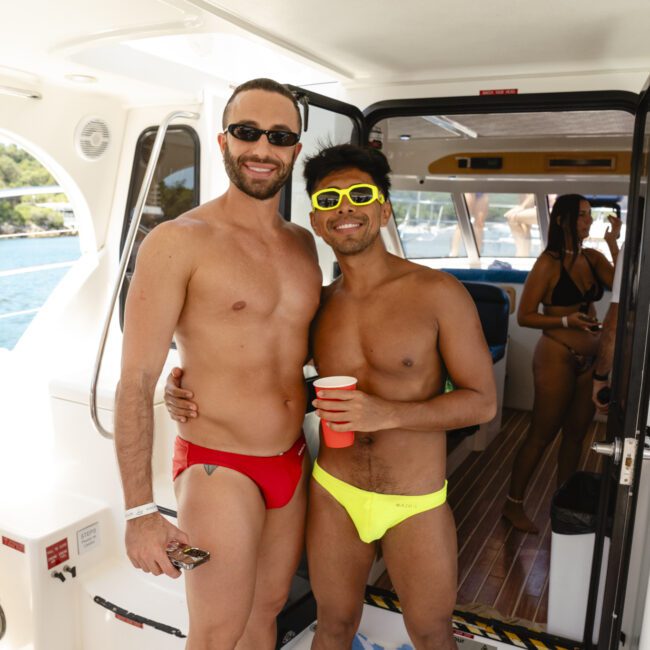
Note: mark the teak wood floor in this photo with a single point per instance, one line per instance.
(499, 567)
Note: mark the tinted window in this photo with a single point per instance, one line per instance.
(427, 224)
(174, 188)
(505, 225)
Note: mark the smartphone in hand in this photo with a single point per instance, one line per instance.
(186, 557)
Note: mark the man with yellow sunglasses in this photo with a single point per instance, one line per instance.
(401, 329)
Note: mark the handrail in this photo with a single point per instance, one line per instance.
(35, 269)
(126, 254)
(22, 312)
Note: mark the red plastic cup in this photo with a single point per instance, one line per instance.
(331, 438)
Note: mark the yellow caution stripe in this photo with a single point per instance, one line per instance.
(473, 624)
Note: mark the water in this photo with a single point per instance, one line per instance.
(28, 291)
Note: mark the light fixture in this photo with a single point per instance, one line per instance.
(81, 78)
(405, 136)
(450, 125)
(20, 92)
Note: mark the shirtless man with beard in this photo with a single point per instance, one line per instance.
(236, 286)
(401, 329)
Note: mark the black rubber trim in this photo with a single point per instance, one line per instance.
(3, 623)
(359, 131)
(136, 618)
(168, 511)
(523, 103)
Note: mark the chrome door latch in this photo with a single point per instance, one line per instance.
(615, 449)
(623, 452)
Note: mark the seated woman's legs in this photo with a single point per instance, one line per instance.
(554, 375)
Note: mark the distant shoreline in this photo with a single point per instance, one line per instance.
(37, 234)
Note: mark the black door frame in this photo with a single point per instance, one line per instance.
(635, 300)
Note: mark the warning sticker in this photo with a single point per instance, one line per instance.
(13, 544)
(499, 91)
(467, 642)
(88, 538)
(57, 553)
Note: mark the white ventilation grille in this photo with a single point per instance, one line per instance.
(92, 138)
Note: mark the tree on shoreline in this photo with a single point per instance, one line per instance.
(25, 213)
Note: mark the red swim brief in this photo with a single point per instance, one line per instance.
(275, 476)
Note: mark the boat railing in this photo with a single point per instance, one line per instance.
(30, 269)
(126, 255)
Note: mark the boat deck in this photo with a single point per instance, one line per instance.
(501, 570)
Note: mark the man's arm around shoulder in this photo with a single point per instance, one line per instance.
(153, 306)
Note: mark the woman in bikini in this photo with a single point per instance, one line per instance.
(566, 279)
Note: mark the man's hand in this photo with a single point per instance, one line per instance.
(177, 399)
(357, 410)
(147, 538)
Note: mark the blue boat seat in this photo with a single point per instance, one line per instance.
(493, 306)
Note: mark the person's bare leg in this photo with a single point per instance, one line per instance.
(455, 243)
(575, 427)
(222, 513)
(478, 206)
(421, 558)
(520, 236)
(339, 563)
(280, 551)
(554, 388)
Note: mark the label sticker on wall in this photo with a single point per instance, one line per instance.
(88, 538)
(13, 544)
(499, 91)
(57, 553)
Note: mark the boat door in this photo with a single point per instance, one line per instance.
(326, 121)
(334, 122)
(628, 415)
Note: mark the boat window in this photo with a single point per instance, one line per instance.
(325, 128)
(174, 188)
(427, 224)
(473, 190)
(38, 239)
(504, 225)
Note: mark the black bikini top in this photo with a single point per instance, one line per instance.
(567, 293)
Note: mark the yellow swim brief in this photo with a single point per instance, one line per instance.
(371, 512)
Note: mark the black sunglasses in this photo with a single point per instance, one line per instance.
(252, 134)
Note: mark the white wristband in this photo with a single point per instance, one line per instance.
(565, 321)
(140, 511)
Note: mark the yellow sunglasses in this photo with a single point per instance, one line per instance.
(361, 194)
